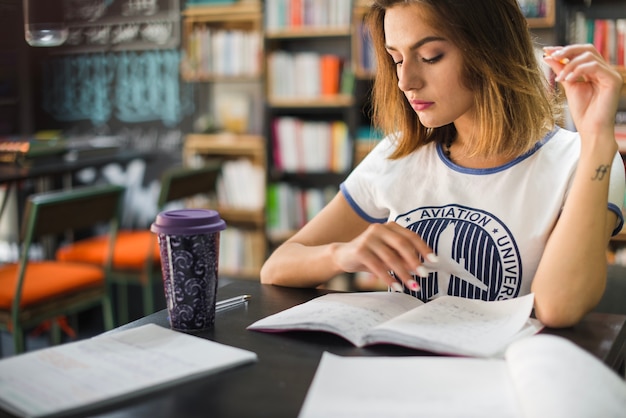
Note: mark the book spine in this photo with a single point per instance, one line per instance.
(330, 72)
(621, 42)
(608, 36)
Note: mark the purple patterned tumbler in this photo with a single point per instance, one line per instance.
(189, 241)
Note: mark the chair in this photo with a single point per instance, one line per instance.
(136, 258)
(35, 291)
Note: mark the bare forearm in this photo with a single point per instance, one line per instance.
(296, 265)
(571, 276)
(308, 259)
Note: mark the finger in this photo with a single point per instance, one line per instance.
(411, 246)
(565, 60)
(378, 268)
(569, 52)
(393, 261)
(574, 69)
(554, 54)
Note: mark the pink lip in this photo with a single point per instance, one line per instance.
(420, 104)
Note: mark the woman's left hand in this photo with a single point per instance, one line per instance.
(591, 85)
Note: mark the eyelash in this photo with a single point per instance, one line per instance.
(432, 60)
(425, 60)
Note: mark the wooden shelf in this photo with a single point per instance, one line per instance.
(243, 273)
(245, 249)
(252, 216)
(211, 78)
(315, 102)
(252, 146)
(546, 21)
(240, 11)
(621, 237)
(309, 32)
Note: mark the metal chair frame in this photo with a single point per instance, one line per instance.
(51, 214)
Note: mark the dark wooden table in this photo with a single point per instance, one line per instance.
(277, 384)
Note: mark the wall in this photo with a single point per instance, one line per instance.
(116, 80)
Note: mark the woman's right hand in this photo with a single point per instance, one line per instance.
(385, 248)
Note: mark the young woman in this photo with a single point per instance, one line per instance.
(475, 191)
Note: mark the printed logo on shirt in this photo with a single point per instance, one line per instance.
(478, 257)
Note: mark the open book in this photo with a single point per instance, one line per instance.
(446, 325)
(541, 376)
(82, 375)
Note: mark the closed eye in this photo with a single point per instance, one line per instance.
(432, 60)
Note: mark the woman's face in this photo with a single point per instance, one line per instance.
(428, 67)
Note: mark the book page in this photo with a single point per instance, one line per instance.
(87, 373)
(390, 387)
(555, 378)
(349, 315)
(455, 325)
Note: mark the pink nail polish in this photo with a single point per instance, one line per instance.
(412, 284)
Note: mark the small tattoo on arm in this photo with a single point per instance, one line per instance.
(601, 172)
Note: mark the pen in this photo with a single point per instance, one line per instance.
(229, 303)
(562, 60)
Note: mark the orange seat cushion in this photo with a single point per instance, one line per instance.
(46, 280)
(131, 250)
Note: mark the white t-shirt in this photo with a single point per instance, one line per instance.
(488, 227)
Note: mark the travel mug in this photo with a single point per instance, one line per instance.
(189, 241)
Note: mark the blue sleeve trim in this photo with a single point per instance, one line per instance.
(620, 217)
(356, 207)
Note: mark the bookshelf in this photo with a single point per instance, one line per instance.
(291, 30)
(311, 108)
(364, 66)
(223, 60)
(542, 14)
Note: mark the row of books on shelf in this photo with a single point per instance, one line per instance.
(289, 207)
(284, 14)
(367, 60)
(534, 8)
(607, 35)
(302, 146)
(241, 185)
(223, 52)
(239, 252)
(307, 75)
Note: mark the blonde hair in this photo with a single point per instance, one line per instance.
(513, 105)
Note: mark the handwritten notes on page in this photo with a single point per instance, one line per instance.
(349, 315)
(448, 325)
(463, 326)
(116, 365)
